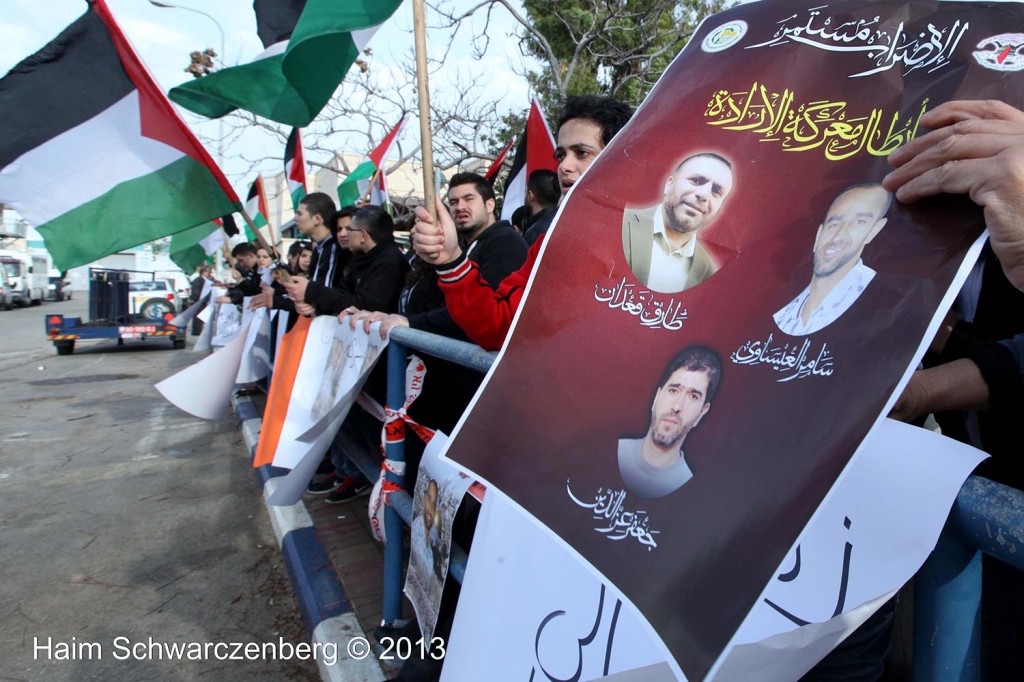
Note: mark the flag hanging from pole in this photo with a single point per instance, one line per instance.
(308, 48)
(355, 185)
(295, 167)
(256, 207)
(536, 150)
(196, 244)
(97, 159)
(492, 171)
(227, 222)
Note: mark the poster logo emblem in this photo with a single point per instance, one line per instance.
(1004, 52)
(725, 36)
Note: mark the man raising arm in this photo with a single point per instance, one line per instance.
(586, 126)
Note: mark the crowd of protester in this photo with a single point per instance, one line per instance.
(466, 273)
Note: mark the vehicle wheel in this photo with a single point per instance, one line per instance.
(8, 305)
(64, 347)
(36, 301)
(155, 308)
(179, 344)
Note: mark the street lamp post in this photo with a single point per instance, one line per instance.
(220, 122)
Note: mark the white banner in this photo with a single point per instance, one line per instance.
(529, 603)
(204, 389)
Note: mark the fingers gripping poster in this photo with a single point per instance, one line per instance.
(731, 300)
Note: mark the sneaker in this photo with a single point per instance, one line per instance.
(328, 485)
(349, 489)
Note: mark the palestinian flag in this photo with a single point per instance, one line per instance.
(357, 183)
(309, 47)
(295, 167)
(256, 207)
(93, 155)
(195, 245)
(536, 150)
(495, 167)
(228, 224)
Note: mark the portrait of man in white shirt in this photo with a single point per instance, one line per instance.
(839, 276)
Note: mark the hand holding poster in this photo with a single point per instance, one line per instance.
(732, 300)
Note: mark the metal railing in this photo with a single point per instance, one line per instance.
(398, 511)
(987, 517)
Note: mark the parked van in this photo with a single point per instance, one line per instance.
(27, 275)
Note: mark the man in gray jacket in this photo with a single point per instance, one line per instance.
(661, 242)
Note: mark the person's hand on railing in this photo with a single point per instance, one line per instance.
(354, 316)
(975, 148)
(437, 244)
(297, 288)
(304, 309)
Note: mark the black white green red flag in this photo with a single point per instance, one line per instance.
(295, 167)
(99, 161)
(495, 167)
(256, 207)
(191, 248)
(357, 183)
(536, 151)
(308, 48)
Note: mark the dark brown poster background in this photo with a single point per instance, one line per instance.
(579, 373)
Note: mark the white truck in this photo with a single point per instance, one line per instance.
(27, 276)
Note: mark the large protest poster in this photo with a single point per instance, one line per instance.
(850, 554)
(679, 430)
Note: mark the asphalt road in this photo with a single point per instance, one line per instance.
(127, 525)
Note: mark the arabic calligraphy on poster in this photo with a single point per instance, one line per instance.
(842, 130)
(653, 312)
(931, 49)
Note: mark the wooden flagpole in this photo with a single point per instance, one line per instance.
(369, 190)
(420, 25)
(259, 236)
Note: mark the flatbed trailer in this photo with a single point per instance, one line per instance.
(111, 319)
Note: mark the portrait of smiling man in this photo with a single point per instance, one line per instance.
(839, 276)
(655, 465)
(661, 242)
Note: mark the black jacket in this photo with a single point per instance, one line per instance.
(536, 225)
(328, 266)
(373, 282)
(249, 286)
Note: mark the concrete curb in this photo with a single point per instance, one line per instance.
(325, 608)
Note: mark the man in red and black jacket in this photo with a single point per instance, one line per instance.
(485, 312)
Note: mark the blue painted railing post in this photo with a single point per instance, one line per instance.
(393, 527)
(947, 604)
